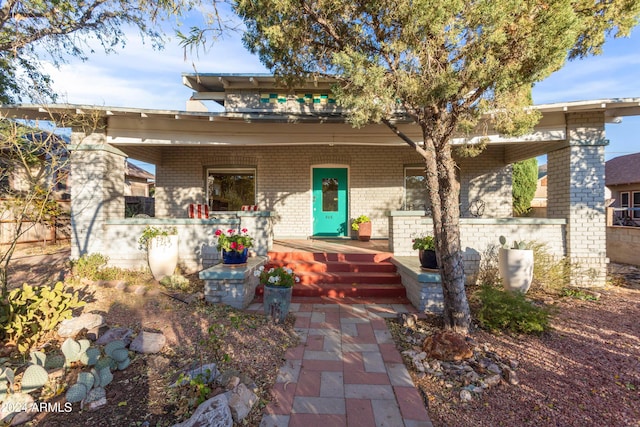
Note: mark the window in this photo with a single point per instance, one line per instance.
(415, 190)
(229, 189)
(636, 205)
(624, 199)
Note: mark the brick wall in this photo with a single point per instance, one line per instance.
(284, 176)
(576, 192)
(97, 184)
(478, 235)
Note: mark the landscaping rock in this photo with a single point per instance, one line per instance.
(71, 327)
(214, 412)
(95, 333)
(447, 345)
(208, 374)
(158, 363)
(465, 395)
(510, 376)
(492, 380)
(114, 334)
(15, 401)
(148, 342)
(241, 400)
(140, 290)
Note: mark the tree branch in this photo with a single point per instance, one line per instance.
(405, 138)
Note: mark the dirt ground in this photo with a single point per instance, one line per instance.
(197, 333)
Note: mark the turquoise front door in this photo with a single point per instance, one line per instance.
(330, 216)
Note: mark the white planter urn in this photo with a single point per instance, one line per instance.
(516, 269)
(162, 255)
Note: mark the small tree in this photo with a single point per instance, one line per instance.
(441, 63)
(32, 162)
(524, 184)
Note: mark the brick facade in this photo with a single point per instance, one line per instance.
(284, 173)
(97, 191)
(576, 192)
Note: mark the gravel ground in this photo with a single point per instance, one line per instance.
(584, 372)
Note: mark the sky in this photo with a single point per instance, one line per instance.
(140, 77)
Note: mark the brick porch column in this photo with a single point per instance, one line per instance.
(97, 190)
(576, 192)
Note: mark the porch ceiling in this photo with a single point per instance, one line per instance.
(128, 127)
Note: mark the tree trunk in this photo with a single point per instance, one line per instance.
(444, 193)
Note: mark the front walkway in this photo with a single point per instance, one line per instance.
(345, 372)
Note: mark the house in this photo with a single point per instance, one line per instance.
(291, 154)
(14, 179)
(138, 182)
(623, 181)
(539, 201)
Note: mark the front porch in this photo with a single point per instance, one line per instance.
(342, 271)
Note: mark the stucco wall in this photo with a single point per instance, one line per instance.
(376, 176)
(623, 245)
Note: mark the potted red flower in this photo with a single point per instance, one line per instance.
(234, 245)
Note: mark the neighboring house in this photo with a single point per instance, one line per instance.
(14, 179)
(623, 181)
(292, 154)
(138, 182)
(539, 201)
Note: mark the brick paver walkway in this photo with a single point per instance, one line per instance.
(345, 372)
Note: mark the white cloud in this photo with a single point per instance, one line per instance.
(139, 76)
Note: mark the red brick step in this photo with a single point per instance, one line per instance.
(350, 276)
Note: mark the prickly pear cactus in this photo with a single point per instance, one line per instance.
(33, 378)
(105, 376)
(38, 358)
(76, 393)
(95, 394)
(87, 379)
(6, 383)
(120, 354)
(124, 364)
(71, 350)
(84, 345)
(54, 361)
(90, 357)
(106, 362)
(112, 346)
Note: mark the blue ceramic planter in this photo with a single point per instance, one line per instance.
(235, 257)
(277, 300)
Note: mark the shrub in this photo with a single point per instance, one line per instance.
(505, 311)
(94, 267)
(89, 266)
(31, 312)
(488, 273)
(550, 273)
(177, 282)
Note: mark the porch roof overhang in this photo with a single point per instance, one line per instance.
(131, 127)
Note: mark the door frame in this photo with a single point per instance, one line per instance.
(348, 212)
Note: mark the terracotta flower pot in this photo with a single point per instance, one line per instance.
(364, 231)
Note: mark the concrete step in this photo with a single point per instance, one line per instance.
(341, 290)
(341, 276)
(301, 267)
